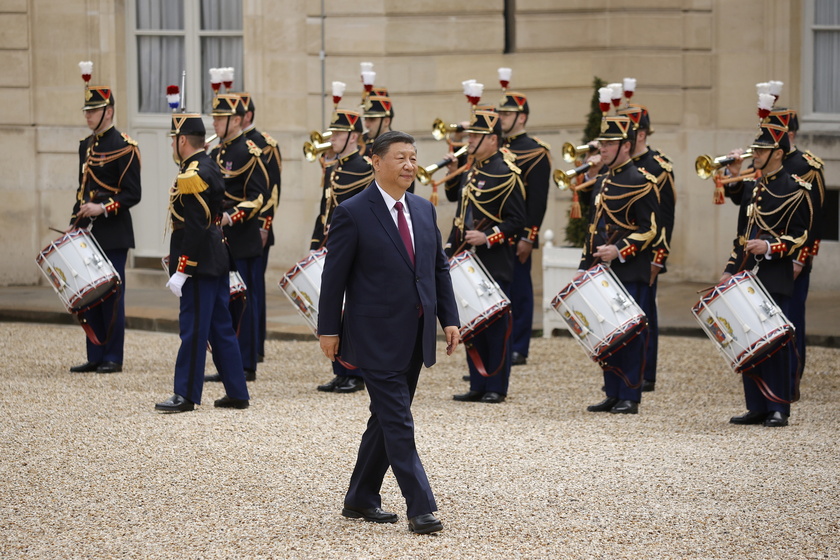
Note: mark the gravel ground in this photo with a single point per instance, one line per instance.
(89, 470)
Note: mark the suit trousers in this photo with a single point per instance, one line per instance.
(522, 302)
(389, 441)
(630, 360)
(110, 314)
(245, 313)
(775, 372)
(204, 317)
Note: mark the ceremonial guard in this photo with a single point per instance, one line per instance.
(489, 216)
(534, 160)
(348, 175)
(622, 229)
(198, 268)
(657, 164)
(109, 185)
(773, 222)
(809, 168)
(273, 163)
(246, 193)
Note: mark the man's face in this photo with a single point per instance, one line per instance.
(225, 128)
(374, 126)
(339, 141)
(397, 167)
(482, 146)
(94, 117)
(760, 157)
(508, 120)
(609, 149)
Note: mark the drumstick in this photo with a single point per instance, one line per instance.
(56, 230)
(479, 226)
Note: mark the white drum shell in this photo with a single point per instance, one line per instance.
(302, 285)
(78, 270)
(480, 299)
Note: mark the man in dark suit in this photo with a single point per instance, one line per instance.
(198, 265)
(385, 255)
(109, 185)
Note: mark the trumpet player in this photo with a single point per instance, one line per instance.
(809, 168)
(658, 165)
(534, 161)
(348, 175)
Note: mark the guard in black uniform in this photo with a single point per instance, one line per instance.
(109, 185)
(346, 176)
(533, 158)
(773, 225)
(198, 268)
(489, 216)
(622, 229)
(658, 165)
(246, 193)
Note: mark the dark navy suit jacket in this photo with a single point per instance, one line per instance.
(367, 258)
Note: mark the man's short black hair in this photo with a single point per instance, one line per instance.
(383, 142)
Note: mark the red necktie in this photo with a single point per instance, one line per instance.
(402, 225)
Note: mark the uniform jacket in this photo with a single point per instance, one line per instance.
(773, 208)
(367, 262)
(661, 168)
(273, 163)
(246, 192)
(109, 174)
(197, 246)
(623, 212)
(493, 201)
(534, 161)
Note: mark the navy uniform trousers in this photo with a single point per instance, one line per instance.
(101, 317)
(775, 372)
(204, 317)
(245, 313)
(630, 359)
(652, 312)
(522, 302)
(489, 345)
(391, 394)
(796, 315)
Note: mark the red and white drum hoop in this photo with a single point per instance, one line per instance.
(743, 321)
(599, 312)
(302, 285)
(480, 299)
(78, 270)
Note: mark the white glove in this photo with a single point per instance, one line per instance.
(176, 282)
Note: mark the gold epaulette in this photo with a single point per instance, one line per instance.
(541, 143)
(664, 162)
(367, 159)
(802, 182)
(269, 140)
(128, 139)
(649, 176)
(190, 182)
(813, 160)
(253, 148)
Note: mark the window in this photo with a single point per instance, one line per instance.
(821, 60)
(177, 35)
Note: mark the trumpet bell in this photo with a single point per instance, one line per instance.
(705, 166)
(311, 150)
(564, 179)
(572, 152)
(440, 129)
(317, 137)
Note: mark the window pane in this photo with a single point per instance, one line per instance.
(217, 52)
(218, 15)
(826, 12)
(160, 14)
(160, 61)
(826, 71)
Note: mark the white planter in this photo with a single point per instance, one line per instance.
(559, 265)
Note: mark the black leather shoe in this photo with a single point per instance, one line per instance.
(625, 407)
(374, 515)
(466, 378)
(424, 524)
(85, 367)
(260, 358)
(250, 375)
(493, 398)
(175, 403)
(469, 396)
(518, 359)
(776, 420)
(109, 367)
(215, 378)
(648, 386)
(603, 406)
(330, 386)
(350, 385)
(749, 418)
(227, 402)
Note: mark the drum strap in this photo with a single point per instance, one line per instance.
(89, 332)
(476, 358)
(762, 385)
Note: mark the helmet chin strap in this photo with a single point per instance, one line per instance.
(101, 119)
(767, 161)
(512, 126)
(227, 128)
(615, 157)
(346, 142)
(178, 149)
(477, 146)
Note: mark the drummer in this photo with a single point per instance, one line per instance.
(489, 216)
(109, 185)
(773, 224)
(622, 228)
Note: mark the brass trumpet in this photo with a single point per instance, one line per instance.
(705, 166)
(424, 174)
(320, 137)
(564, 178)
(440, 129)
(572, 152)
(210, 138)
(311, 150)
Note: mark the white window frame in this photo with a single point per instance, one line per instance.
(812, 121)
